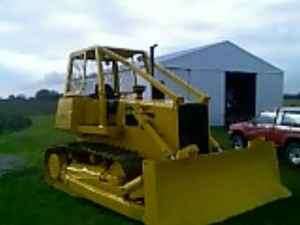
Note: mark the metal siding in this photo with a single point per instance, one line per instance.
(212, 82)
(174, 86)
(226, 57)
(269, 91)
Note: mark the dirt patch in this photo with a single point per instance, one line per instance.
(10, 162)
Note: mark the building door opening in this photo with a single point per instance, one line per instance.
(240, 99)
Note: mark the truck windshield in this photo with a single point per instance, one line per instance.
(265, 118)
(291, 118)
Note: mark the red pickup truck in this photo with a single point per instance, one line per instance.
(281, 127)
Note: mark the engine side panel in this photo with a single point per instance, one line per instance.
(75, 111)
(163, 119)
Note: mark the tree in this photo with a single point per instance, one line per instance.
(21, 97)
(11, 97)
(45, 94)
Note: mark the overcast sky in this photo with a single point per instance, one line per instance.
(36, 36)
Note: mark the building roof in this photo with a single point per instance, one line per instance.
(177, 54)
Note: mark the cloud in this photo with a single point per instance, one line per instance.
(9, 27)
(37, 36)
(283, 8)
(53, 80)
(11, 82)
(29, 64)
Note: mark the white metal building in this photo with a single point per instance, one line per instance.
(239, 83)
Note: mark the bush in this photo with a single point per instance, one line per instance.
(13, 122)
(45, 94)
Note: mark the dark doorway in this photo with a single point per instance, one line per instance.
(240, 97)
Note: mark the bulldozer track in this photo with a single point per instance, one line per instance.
(82, 151)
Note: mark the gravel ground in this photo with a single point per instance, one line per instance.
(10, 162)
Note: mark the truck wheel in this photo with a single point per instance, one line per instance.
(238, 141)
(293, 154)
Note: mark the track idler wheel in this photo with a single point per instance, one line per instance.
(55, 161)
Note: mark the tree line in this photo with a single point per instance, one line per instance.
(292, 96)
(16, 111)
(43, 95)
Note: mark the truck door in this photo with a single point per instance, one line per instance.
(283, 127)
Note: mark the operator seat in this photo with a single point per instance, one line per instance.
(112, 100)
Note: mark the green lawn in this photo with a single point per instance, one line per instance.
(31, 143)
(26, 199)
(220, 134)
(291, 102)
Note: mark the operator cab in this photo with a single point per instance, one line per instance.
(94, 88)
(85, 73)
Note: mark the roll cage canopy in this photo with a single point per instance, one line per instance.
(91, 52)
(121, 56)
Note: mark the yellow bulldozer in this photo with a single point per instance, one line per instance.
(151, 158)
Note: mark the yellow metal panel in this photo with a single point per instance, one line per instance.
(212, 188)
(163, 118)
(111, 131)
(78, 188)
(134, 139)
(75, 111)
(166, 123)
(66, 116)
(91, 111)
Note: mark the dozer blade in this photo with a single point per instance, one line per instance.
(211, 188)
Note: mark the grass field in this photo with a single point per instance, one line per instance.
(291, 102)
(29, 107)
(221, 136)
(25, 198)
